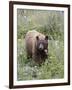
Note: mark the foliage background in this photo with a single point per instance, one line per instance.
(50, 23)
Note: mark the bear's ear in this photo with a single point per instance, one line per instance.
(46, 37)
(37, 37)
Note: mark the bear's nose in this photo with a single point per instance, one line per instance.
(41, 47)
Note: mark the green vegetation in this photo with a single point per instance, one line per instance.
(50, 23)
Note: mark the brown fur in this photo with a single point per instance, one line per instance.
(31, 49)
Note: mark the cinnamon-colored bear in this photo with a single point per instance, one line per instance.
(36, 46)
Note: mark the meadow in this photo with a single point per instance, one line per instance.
(49, 23)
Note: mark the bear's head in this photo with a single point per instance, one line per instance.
(42, 44)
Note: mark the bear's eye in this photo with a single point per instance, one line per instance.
(46, 45)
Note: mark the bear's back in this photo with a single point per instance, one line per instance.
(32, 34)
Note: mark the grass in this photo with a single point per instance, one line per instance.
(52, 68)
